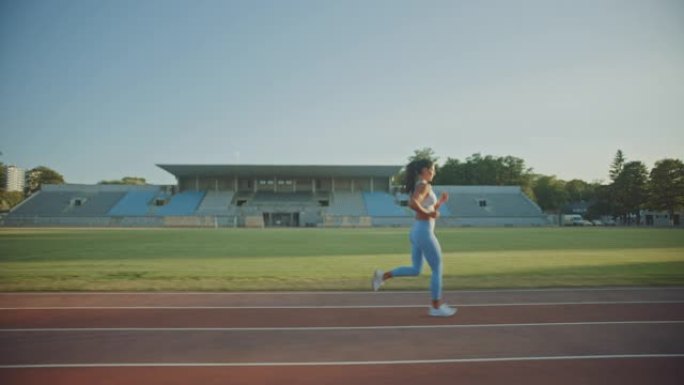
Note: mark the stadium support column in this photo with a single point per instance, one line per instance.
(371, 184)
(196, 183)
(235, 183)
(313, 185)
(333, 183)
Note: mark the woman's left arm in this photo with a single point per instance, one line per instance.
(443, 197)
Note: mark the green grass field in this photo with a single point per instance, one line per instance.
(332, 259)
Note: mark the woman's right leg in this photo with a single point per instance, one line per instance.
(379, 277)
(409, 271)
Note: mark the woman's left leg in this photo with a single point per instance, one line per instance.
(433, 255)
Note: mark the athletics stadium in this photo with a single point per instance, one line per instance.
(269, 196)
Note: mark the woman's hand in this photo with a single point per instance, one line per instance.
(434, 214)
(443, 197)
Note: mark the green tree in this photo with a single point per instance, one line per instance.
(424, 153)
(666, 186)
(617, 165)
(603, 204)
(550, 193)
(629, 190)
(487, 170)
(483, 171)
(515, 172)
(579, 190)
(451, 173)
(3, 176)
(42, 175)
(9, 199)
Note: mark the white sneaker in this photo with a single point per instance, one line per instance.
(443, 311)
(377, 281)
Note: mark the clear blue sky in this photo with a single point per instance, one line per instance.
(106, 89)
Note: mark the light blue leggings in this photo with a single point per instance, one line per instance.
(424, 244)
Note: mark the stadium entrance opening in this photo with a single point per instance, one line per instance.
(281, 219)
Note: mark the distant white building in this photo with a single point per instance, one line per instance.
(16, 178)
(660, 218)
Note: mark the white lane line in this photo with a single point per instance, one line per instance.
(346, 363)
(337, 328)
(339, 307)
(579, 289)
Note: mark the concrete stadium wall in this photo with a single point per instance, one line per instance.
(329, 221)
(18, 221)
(346, 221)
(392, 221)
(352, 221)
(133, 222)
(494, 222)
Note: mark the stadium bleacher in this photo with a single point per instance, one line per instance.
(135, 203)
(93, 205)
(347, 204)
(382, 204)
(157, 206)
(268, 197)
(181, 204)
(489, 201)
(70, 201)
(45, 203)
(216, 203)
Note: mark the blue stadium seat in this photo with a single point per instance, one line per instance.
(69, 203)
(347, 203)
(184, 203)
(134, 203)
(382, 204)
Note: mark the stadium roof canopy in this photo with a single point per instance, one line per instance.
(245, 170)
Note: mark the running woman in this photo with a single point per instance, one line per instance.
(419, 175)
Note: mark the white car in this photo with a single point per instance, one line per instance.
(578, 221)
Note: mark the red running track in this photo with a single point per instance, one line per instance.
(602, 336)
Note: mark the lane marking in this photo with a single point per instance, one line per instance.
(336, 328)
(579, 289)
(513, 304)
(347, 363)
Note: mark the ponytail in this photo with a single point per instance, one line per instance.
(413, 170)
